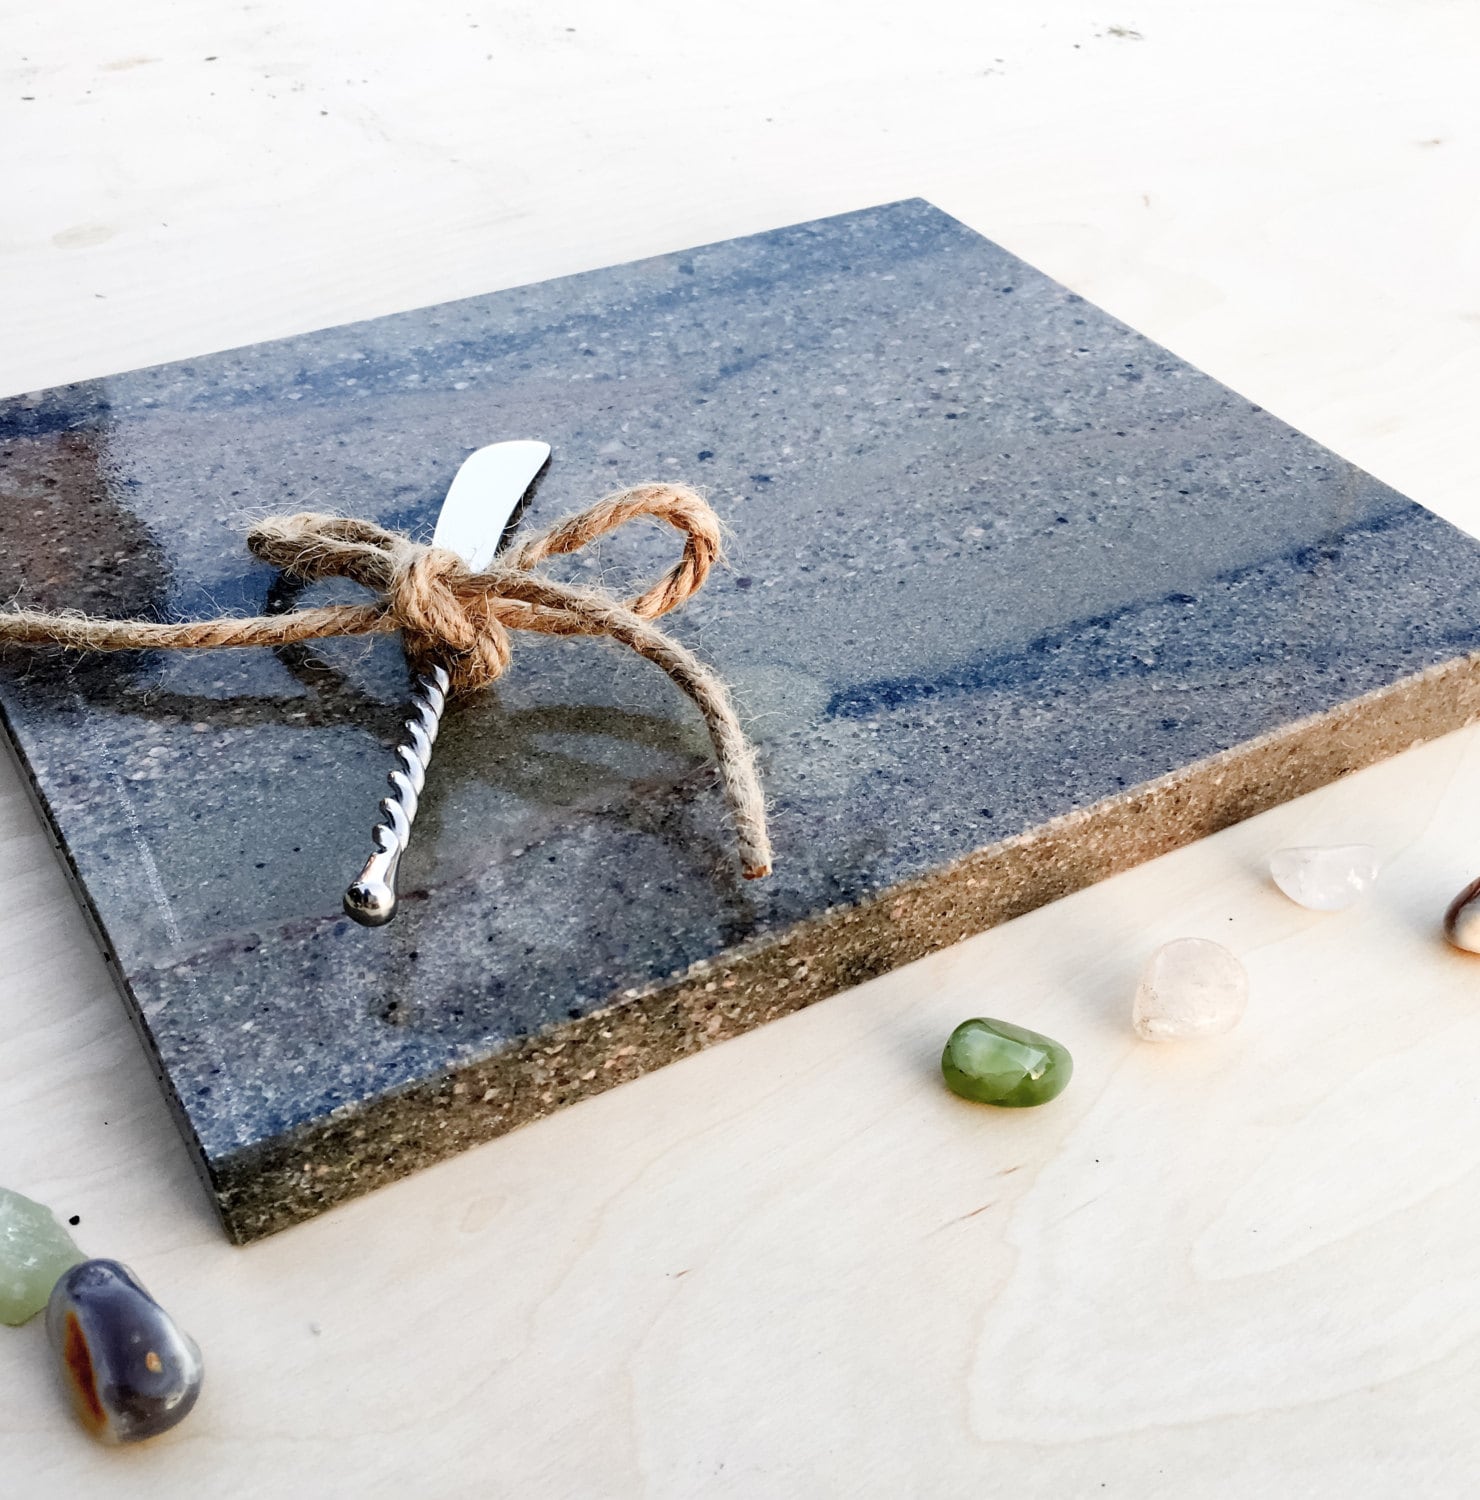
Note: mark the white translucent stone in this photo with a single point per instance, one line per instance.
(1325, 879)
(1190, 988)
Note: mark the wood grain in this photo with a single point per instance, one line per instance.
(795, 1265)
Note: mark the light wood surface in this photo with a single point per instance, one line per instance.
(796, 1266)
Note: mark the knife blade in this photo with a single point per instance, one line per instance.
(483, 496)
(473, 522)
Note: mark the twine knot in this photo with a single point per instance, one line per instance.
(453, 617)
(442, 618)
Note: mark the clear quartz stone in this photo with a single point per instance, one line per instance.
(1190, 988)
(1325, 878)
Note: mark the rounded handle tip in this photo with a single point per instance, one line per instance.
(372, 903)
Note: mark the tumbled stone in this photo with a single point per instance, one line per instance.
(1190, 988)
(131, 1373)
(1325, 878)
(1462, 920)
(34, 1251)
(995, 1062)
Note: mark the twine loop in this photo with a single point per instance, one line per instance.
(461, 620)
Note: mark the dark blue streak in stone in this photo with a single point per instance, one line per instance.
(20, 420)
(1020, 669)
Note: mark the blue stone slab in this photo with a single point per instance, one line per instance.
(1017, 599)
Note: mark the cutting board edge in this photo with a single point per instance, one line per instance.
(273, 1185)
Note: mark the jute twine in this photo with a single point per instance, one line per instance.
(460, 620)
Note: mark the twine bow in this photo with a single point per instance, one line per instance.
(461, 620)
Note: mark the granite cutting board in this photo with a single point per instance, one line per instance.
(1017, 599)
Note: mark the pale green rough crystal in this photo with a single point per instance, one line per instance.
(34, 1251)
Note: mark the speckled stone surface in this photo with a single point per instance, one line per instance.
(1018, 599)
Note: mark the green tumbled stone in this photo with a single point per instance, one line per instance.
(34, 1251)
(995, 1062)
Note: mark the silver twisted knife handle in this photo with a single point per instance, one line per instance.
(371, 900)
